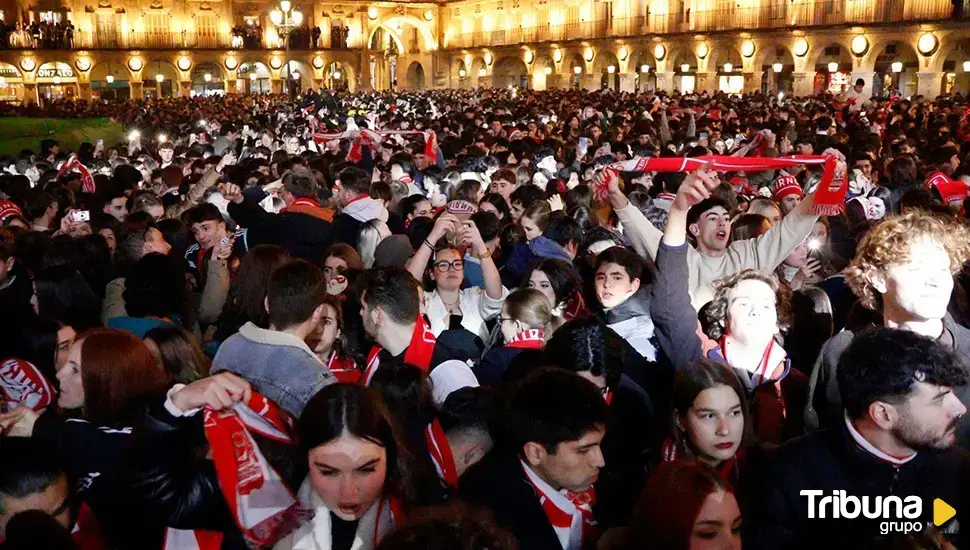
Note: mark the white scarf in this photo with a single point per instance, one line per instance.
(316, 535)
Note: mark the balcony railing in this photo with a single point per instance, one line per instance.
(784, 15)
(109, 40)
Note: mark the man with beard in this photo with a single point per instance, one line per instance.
(896, 438)
(390, 300)
(903, 269)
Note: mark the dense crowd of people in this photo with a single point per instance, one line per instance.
(488, 319)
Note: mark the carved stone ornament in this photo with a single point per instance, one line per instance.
(205, 6)
(400, 9)
(104, 4)
(156, 5)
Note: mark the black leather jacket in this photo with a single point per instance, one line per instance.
(172, 479)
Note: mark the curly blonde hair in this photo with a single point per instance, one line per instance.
(888, 243)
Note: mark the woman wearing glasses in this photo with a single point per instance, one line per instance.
(447, 305)
(526, 323)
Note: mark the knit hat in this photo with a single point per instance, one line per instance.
(9, 208)
(785, 186)
(950, 190)
(393, 251)
(872, 207)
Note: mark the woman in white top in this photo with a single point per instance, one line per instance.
(449, 306)
(357, 485)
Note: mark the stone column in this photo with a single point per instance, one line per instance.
(85, 90)
(185, 88)
(705, 82)
(929, 84)
(276, 85)
(628, 82)
(665, 82)
(590, 82)
(363, 80)
(231, 85)
(804, 83)
(867, 76)
(136, 89)
(752, 82)
(30, 93)
(554, 81)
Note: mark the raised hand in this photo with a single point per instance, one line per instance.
(696, 187)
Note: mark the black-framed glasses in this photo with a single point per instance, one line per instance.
(444, 266)
(504, 319)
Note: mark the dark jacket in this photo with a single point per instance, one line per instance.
(675, 323)
(95, 460)
(346, 229)
(824, 406)
(831, 460)
(172, 481)
(503, 362)
(498, 483)
(304, 231)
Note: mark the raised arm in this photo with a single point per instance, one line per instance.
(493, 281)
(673, 315)
(644, 237)
(768, 251)
(419, 262)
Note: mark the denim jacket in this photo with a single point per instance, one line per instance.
(279, 365)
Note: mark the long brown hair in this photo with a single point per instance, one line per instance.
(117, 372)
(180, 354)
(693, 378)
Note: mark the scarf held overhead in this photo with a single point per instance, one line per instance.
(829, 198)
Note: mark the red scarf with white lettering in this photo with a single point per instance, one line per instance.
(87, 180)
(563, 519)
(440, 451)
(532, 338)
(418, 353)
(829, 197)
(23, 385)
(263, 506)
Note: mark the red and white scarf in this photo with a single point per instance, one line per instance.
(343, 369)
(87, 180)
(302, 201)
(418, 353)
(441, 456)
(22, 384)
(370, 138)
(829, 198)
(532, 338)
(263, 506)
(773, 357)
(563, 508)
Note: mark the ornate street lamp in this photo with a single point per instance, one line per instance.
(286, 19)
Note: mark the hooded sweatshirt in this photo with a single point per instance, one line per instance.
(358, 212)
